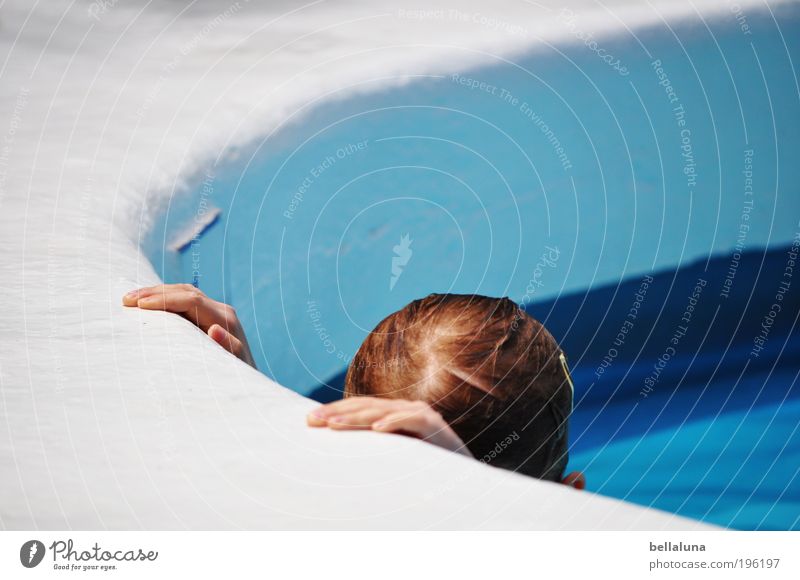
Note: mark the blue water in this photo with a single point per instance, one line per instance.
(557, 154)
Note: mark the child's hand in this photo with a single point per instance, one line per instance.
(216, 319)
(412, 418)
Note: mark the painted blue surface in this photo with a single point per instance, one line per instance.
(479, 185)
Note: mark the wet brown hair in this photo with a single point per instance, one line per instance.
(493, 372)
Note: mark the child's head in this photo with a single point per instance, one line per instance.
(495, 374)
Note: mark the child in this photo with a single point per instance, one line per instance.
(473, 374)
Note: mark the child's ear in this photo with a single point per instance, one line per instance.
(575, 479)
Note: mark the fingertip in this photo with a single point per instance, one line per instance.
(148, 302)
(314, 419)
(337, 423)
(216, 332)
(130, 298)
